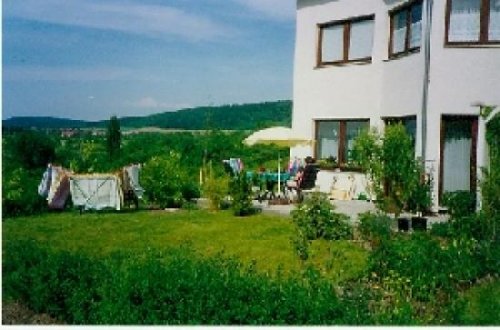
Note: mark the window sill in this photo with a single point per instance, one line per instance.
(401, 55)
(340, 64)
(340, 169)
(495, 44)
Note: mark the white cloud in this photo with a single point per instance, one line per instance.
(274, 9)
(134, 18)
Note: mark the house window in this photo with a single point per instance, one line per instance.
(335, 138)
(406, 29)
(473, 21)
(346, 41)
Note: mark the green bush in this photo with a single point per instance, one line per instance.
(216, 189)
(316, 218)
(169, 288)
(421, 267)
(375, 227)
(19, 193)
(442, 229)
(166, 181)
(459, 203)
(479, 306)
(240, 190)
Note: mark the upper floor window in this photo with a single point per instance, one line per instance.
(406, 28)
(346, 41)
(473, 21)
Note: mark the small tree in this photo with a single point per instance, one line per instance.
(114, 137)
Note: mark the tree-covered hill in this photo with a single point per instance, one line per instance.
(233, 117)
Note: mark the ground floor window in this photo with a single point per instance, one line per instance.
(335, 139)
(458, 154)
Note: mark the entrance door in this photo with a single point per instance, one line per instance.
(458, 154)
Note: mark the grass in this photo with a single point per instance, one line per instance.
(262, 240)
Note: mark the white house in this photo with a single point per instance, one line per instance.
(427, 63)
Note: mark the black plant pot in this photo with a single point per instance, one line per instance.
(419, 223)
(403, 224)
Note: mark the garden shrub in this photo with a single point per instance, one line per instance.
(168, 288)
(19, 193)
(166, 181)
(216, 189)
(460, 203)
(442, 229)
(421, 267)
(478, 306)
(240, 190)
(316, 218)
(375, 227)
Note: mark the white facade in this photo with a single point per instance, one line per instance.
(459, 76)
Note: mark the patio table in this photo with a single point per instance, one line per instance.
(268, 182)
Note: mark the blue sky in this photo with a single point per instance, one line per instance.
(90, 59)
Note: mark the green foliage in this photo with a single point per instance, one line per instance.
(419, 267)
(315, 218)
(301, 244)
(477, 307)
(390, 163)
(216, 189)
(28, 149)
(240, 189)
(460, 203)
(375, 227)
(168, 288)
(113, 137)
(490, 185)
(19, 193)
(166, 181)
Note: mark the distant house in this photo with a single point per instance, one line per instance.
(428, 64)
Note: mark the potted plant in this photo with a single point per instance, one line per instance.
(329, 163)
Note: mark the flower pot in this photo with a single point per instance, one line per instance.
(419, 223)
(403, 224)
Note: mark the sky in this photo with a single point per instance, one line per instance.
(92, 59)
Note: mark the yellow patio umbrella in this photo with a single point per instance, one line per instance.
(280, 136)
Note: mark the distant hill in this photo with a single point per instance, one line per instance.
(44, 122)
(230, 117)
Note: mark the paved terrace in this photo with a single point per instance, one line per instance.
(351, 208)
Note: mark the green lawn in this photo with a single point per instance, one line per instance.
(263, 239)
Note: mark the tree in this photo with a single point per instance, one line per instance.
(114, 137)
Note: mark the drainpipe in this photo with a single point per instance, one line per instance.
(425, 89)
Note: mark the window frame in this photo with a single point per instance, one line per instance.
(407, 7)
(342, 138)
(346, 23)
(484, 21)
